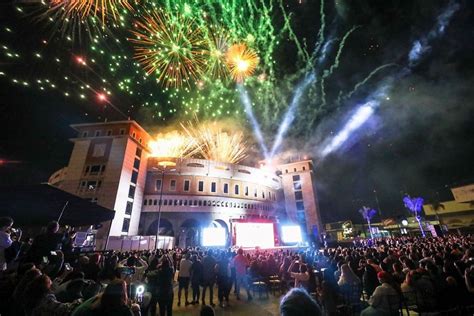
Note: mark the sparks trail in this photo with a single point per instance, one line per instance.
(420, 48)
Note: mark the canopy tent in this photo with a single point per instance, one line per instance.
(36, 205)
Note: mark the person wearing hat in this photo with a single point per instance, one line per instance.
(386, 298)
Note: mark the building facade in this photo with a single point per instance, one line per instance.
(111, 164)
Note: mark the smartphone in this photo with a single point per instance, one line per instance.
(53, 253)
(45, 260)
(67, 266)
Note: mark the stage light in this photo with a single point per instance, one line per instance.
(251, 235)
(213, 237)
(291, 234)
(404, 222)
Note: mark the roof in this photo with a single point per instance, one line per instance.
(131, 122)
(36, 205)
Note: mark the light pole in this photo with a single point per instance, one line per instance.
(161, 168)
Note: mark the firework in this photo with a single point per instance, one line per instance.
(71, 16)
(216, 61)
(215, 144)
(241, 61)
(173, 145)
(172, 47)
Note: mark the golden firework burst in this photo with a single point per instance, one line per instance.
(242, 61)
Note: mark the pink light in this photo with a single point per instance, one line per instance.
(101, 97)
(81, 60)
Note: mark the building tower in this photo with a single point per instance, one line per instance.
(301, 202)
(108, 166)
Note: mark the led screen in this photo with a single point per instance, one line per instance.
(213, 237)
(291, 234)
(254, 235)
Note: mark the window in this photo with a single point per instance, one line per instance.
(131, 192)
(155, 202)
(185, 203)
(99, 150)
(102, 169)
(91, 185)
(85, 134)
(226, 188)
(296, 177)
(122, 131)
(201, 186)
(126, 225)
(255, 193)
(294, 169)
(297, 185)
(109, 132)
(165, 202)
(129, 207)
(298, 195)
(300, 217)
(186, 186)
(134, 135)
(263, 194)
(134, 176)
(286, 170)
(304, 168)
(83, 184)
(200, 203)
(87, 169)
(173, 185)
(300, 206)
(138, 152)
(140, 140)
(145, 202)
(246, 191)
(195, 165)
(97, 133)
(136, 163)
(236, 189)
(213, 187)
(175, 202)
(158, 185)
(95, 169)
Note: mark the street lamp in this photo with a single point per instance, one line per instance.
(162, 165)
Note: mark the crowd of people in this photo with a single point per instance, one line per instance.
(43, 276)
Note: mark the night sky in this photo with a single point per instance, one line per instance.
(420, 142)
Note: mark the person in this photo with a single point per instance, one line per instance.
(5, 240)
(196, 278)
(113, 301)
(386, 299)
(223, 279)
(207, 310)
(92, 268)
(350, 286)
(329, 293)
(184, 277)
(38, 299)
(208, 277)
(46, 244)
(297, 302)
(163, 288)
(369, 279)
(301, 277)
(240, 262)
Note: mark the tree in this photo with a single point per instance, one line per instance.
(367, 213)
(415, 205)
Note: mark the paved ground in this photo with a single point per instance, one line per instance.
(256, 307)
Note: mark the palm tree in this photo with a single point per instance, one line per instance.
(367, 213)
(415, 205)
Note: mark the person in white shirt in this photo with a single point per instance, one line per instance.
(302, 277)
(184, 275)
(5, 240)
(385, 300)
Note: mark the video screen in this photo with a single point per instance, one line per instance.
(213, 237)
(251, 235)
